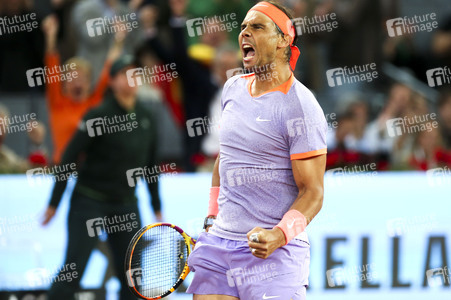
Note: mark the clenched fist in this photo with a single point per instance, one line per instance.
(267, 241)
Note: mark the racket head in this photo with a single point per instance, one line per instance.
(156, 262)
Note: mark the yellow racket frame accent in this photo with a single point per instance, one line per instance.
(189, 241)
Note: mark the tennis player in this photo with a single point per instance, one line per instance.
(268, 180)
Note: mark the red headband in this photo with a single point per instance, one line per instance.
(284, 23)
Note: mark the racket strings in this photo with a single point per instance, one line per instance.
(159, 257)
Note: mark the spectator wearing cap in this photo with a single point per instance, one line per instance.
(107, 176)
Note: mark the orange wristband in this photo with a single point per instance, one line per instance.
(213, 203)
(292, 224)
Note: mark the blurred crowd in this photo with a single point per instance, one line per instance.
(396, 121)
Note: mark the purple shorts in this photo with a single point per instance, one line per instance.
(227, 267)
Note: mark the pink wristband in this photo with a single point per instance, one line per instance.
(213, 204)
(292, 224)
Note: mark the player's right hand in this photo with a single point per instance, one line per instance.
(263, 242)
(208, 227)
(48, 215)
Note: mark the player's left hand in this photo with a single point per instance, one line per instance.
(268, 241)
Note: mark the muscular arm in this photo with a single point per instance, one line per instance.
(309, 176)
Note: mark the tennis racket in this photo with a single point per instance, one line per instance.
(157, 260)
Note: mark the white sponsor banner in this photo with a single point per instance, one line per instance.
(387, 237)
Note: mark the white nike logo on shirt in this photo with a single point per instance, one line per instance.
(262, 120)
(269, 297)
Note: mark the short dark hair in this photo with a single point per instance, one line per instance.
(287, 12)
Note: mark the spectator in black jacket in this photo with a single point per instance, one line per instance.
(117, 140)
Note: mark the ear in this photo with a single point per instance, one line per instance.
(284, 41)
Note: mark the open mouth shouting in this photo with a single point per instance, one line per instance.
(248, 52)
